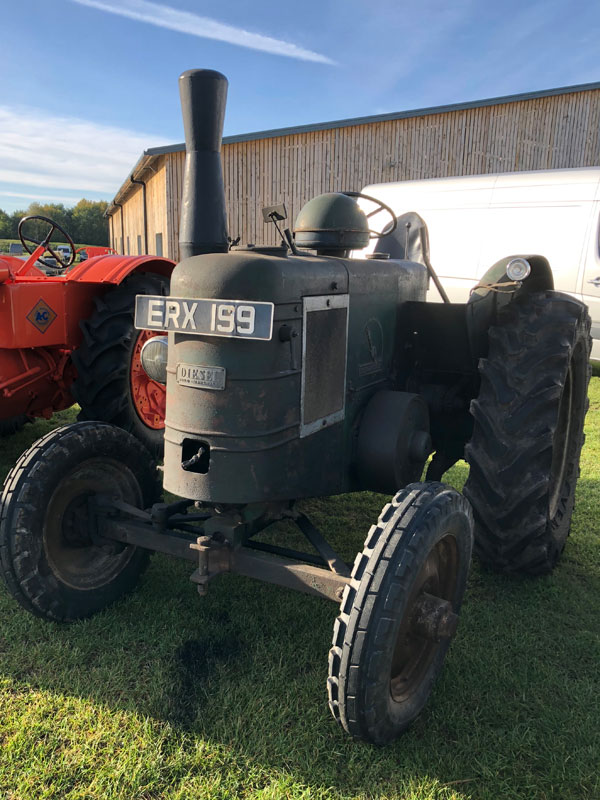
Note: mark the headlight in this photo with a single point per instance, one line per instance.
(154, 358)
(518, 269)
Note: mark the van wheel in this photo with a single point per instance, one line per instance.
(111, 384)
(528, 432)
(54, 562)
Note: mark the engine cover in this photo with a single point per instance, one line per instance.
(255, 418)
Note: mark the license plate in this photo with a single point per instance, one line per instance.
(230, 318)
(201, 377)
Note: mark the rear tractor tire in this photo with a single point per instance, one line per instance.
(400, 611)
(528, 432)
(111, 384)
(13, 424)
(53, 563)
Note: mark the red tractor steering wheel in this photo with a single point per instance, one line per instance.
(61, 262)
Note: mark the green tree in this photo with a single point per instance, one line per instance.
(5, 225)
(14, 223)
(37, 229)
(85, 222)
(88, 221)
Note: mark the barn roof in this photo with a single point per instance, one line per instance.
(149, 155)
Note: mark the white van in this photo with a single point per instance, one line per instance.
(64, 250)
(474, 221)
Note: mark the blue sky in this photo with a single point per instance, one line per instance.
(88, 84)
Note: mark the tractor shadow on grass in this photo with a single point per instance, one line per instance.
(245, 667)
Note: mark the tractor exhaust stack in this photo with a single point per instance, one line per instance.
(203, 227)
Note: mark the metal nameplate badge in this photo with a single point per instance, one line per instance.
(231, 318)
(201, 377)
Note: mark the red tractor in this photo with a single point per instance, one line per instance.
(67, 335)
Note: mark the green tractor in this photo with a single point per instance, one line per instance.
(305, 370)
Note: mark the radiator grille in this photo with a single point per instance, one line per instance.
(324, 361)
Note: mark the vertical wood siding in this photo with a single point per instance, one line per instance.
(133, 211)
(553, 132)
(133, 220)
(156, 183)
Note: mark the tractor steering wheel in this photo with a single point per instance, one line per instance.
(382, 207)
(62, 262)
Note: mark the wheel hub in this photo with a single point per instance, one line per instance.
(429, 620)
(76, 522)
(149, 396)
(433, 618)
(75, 552)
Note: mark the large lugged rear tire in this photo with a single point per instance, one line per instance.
(528, 432)
(13, 424)
(52, 562)
(399, 612)
(111, 384)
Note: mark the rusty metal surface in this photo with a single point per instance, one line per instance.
(322, 547)
(220, 551)
(142, 533)
(216, 559)
(433, 618)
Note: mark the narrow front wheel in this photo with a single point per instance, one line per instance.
(400, 611)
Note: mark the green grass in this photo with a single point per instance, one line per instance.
(168, 695)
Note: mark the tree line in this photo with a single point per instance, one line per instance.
(85, 222)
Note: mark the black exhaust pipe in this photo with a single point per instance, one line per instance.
(203, 224)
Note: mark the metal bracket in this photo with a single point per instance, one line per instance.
(213, 559)
(323, 548)
(222, 546)
(216, 557)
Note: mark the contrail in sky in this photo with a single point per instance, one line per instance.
(186, 22)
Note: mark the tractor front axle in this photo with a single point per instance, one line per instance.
(220, 542)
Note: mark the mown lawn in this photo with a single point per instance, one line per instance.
(168, 695)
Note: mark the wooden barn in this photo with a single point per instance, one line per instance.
(552, 129)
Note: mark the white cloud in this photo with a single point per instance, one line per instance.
(41, 198)
(65, 152)
(186, 22)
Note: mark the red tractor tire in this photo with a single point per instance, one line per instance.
(111, 385)
(13, 424)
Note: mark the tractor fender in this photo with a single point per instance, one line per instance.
(484, 304)
(113, 269)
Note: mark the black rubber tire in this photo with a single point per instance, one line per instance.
(13, 424)
(377, 602)
(34, 574)
(103, 360)
(536, 368)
